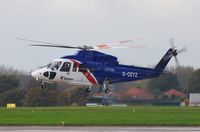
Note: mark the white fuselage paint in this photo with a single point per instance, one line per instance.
(71, 76)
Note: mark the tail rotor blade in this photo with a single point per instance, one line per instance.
(176, 60)
(182, 50)
(172, 43)
(176, 52)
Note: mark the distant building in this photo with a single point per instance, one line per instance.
(173, 93)
(194, 99)
(139, 93)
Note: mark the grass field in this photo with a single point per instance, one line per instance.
(99, 116)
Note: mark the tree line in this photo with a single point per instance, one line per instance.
(20, 88)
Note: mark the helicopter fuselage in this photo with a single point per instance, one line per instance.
(92, 68)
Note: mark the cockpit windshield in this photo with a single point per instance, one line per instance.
(54, 65)
(45, 66)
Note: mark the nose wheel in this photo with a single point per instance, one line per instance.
(42, 85)
(88, 89)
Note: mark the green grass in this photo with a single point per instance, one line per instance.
(101, 116)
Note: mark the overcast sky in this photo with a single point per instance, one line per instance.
(79, 22)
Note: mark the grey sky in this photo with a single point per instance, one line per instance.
(78, 22)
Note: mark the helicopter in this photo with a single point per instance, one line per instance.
(89, 67)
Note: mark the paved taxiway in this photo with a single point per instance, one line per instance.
(98, 129)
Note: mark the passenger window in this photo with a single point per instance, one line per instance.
(82, 68)
(91, 70)
(74, 67)
(66, 67)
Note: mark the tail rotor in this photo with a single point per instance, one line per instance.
(176, 51)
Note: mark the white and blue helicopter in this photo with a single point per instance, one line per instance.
(89, 67)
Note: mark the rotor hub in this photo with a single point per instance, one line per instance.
(175, 52)
(85, 47)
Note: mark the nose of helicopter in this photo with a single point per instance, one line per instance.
(35, 74)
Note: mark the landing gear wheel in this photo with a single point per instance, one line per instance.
(88, 89)
(42, 86)
(107, 91)
(105, 86)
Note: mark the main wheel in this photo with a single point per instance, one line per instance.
(107, 91)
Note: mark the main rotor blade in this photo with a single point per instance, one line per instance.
(118, 47)
(114, 43)
(57, 46)
(35, 41)
(48, 44)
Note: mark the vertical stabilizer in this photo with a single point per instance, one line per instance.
(165, 60)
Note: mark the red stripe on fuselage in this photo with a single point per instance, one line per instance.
(87, 74)
(89, 77)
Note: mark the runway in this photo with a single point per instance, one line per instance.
(97, 129)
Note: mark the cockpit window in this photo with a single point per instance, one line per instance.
(54, 65)
(66, 67)
(48, 65)
(45, 66)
